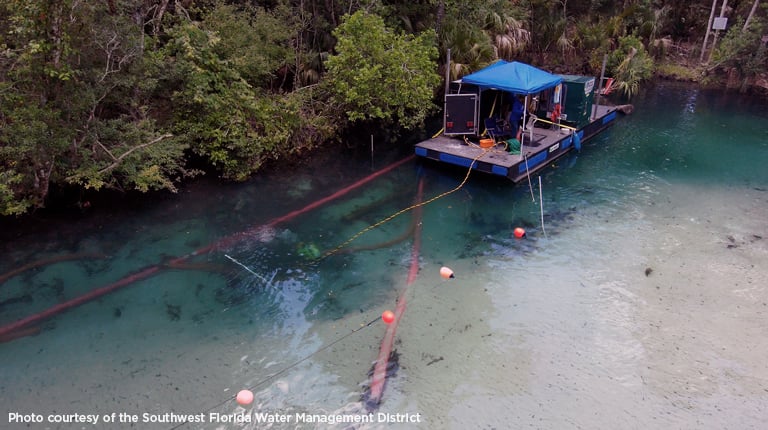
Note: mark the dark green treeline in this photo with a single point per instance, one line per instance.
(126, 94)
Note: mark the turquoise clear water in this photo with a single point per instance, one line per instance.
(641, 302)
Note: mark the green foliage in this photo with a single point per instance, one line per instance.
(471, 48)
(129, 155)
(217, 112)
(479, 32)
(118, 94)
(33, 142)
(33, 135)
(380, 74)
(10, 202)
(592, 36)
(743, 50)
(74, 105)
(630, 64)
(252, 41)
(678, 72)
(548, 23)
(89, 98)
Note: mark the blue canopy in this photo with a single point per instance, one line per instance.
(513, 77)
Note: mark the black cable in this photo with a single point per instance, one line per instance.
(285, 369)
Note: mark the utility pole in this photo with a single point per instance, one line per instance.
(714, 42)
(709, 28)
(751, 14)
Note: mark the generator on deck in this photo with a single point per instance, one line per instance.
(579, 95)
(461, 114)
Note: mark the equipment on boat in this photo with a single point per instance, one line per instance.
(485, 96)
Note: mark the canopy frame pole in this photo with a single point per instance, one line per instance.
(447, 85)
(598, 95)
(522, 124)
(522, 146)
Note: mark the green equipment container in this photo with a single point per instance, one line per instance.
(579, 93)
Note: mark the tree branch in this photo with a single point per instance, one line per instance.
(128, 152)
(105, 149)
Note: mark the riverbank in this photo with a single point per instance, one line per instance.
(705, 78)
(99, 207)
(71, 205)
(680, 66)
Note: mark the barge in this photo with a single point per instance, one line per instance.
(511, 119)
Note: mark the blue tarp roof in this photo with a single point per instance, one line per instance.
(514, 77)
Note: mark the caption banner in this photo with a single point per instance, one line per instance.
(210, 417)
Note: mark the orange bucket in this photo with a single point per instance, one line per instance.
(487, 143)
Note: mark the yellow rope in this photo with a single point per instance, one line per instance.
(559, 125)
(396, 214)
(490, 115)
(493, 107)
(438, 133)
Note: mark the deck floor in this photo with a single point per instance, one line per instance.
(543, 138)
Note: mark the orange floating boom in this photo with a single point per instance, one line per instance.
(225, 242)
(379, 377)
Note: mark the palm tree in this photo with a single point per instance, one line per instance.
(510, 38)
(470, 47)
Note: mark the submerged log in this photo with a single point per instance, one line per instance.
(29, 331)
(361, 211)
(405, 235)
(626, 109)
(51, 260)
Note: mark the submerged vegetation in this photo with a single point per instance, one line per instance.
(140, 94)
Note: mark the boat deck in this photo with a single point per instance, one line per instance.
(548, 142)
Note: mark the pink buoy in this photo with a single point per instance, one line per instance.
(388, 317)
(446, 273)
(519, 232)
(244, 397)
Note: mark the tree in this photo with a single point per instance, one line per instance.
(630, 64)
(73, 103)
(380, 74)
(36, 77)
(119, 145)
(215, 110)
(255, 42)
(743, 51)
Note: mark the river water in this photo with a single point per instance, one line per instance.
(640, 302)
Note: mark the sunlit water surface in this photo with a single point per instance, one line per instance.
(639, 303)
